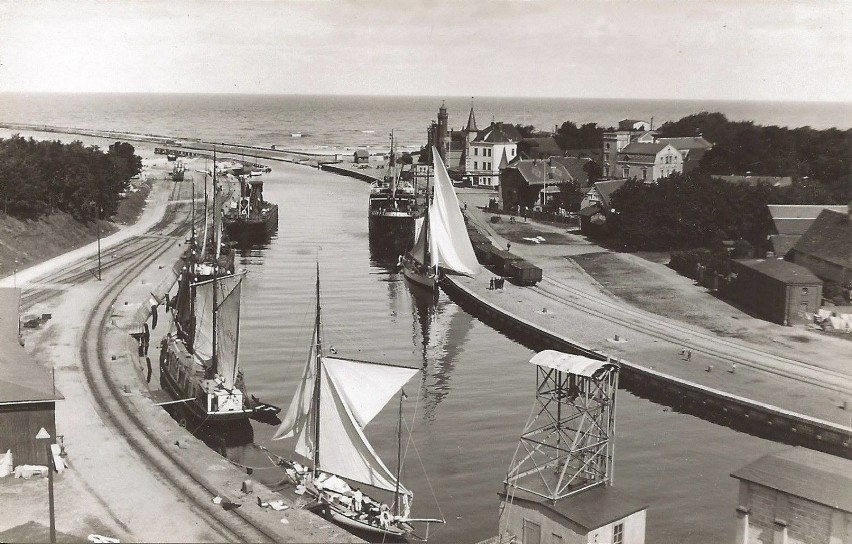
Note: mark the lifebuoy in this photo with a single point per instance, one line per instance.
(385, 518)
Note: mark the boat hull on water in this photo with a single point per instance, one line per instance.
(417, 274)
(250, 229)
(347, 519)
(391, 232)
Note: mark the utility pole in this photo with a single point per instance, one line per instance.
(44, 435)
(98, 222)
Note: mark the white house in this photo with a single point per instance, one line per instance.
(495, 145)
(649, 161)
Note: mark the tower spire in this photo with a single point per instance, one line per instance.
(471, 119)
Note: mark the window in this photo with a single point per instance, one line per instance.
(625, 172)
(475, 165)
(513, 152)
(606, 171)
(476, 151)
(644, 173)
(607, 146)
(532, 533)
(618, 533)
(804, 291)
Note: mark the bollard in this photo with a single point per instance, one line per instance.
(709, 368)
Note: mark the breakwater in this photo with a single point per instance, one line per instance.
(347, 172)
(714, 405)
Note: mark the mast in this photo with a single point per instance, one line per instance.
(426, 251)
(317, 365)
(398, 454)
(215, 360)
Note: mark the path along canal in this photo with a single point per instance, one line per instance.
(469, 405)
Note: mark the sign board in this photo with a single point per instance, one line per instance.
(42, 434)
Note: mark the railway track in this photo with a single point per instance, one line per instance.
(707, 343)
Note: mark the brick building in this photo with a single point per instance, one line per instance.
(779, 291)
(795, 496)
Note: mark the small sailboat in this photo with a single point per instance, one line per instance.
(336, 399)
(442, 243)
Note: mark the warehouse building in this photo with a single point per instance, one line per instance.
(776, 290)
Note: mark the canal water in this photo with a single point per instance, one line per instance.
(468, 406)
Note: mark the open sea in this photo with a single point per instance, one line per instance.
(468, 406)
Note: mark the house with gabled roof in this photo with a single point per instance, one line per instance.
(540, 147)
(692, 148)
(649, 161)
(27, 393)
(826, 248)
(532, 182)
(494, 145)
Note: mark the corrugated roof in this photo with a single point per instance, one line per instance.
(818, 477)
(570, 363)
(21, 378)
(829, 238)
(590, 509)
(781, 270)
(795, 219)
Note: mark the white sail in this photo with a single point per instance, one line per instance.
(418, 227)
(343, 448)
(202, 344)
(366, 387)
(419, 249)
(449, 243)
(228, 328)
(296, 419)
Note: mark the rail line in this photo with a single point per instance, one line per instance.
(651, 325)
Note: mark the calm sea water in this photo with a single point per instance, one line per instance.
(468, 406)
(344, 122)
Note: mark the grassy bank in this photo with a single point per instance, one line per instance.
(30, 242)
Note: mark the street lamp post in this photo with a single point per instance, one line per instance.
(98, 211)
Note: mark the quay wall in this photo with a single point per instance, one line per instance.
(740, 413)
(347, 172)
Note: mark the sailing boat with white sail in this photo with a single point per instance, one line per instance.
(442, 243)
(335, 400)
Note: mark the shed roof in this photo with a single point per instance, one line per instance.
(590, 509)
(362, 153)
(541, 172)
(570, 363)
(829, 238)
(781, 270)
(540, 147)
(22, 380)
(782, 243)
(816, 476)
(797, 219)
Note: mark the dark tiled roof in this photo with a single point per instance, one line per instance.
(537, 148)
(627, 124)
(498, 133)
(782, 243)
(540, 172)
(21, 378)
(774, 181)
(362, 153)
(829, 239)
(781, 270)
(818, 477)
(607, 188)
(590, 509)
(576, 167)
(688, 142)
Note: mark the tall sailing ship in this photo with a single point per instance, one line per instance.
(392, 209)
(199, 357)
(442, 244)
(335, 400)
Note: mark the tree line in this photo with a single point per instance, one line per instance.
(38, 178)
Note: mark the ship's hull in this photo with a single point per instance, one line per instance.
(346, 519)
(256, 228)
(392, 233)
(418, 275)
(175, 361)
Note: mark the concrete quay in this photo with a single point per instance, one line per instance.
(767, 394)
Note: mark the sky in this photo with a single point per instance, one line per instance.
(691, 49)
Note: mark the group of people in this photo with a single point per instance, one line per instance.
(496, 283)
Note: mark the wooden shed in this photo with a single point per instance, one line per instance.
(779, 291)
(27, 392)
